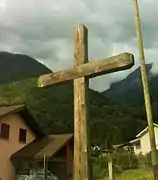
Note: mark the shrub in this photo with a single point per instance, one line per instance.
(100, 166)
(122, 159)
(144, 160)
(125, 159)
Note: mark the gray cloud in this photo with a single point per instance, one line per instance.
(44, 29)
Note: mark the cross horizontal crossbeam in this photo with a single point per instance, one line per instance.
(91, 69)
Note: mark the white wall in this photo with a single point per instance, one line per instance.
(145, 142)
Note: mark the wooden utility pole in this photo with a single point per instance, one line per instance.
(154, 154)
(44, 167)
(80, 74)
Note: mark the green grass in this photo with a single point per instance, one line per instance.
(138, 174)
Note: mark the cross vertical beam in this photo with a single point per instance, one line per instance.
(81, 140)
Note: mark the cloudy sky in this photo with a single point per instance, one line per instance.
(44, 30)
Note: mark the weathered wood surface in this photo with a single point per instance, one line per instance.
(146, 90)
(81, 73)
(81, 145)
(119, 62)
(110, 167)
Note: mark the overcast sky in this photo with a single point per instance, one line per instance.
(44, 30)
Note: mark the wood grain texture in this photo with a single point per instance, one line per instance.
(146, 91)
(80, 74)
(81, 145)
(91, 69)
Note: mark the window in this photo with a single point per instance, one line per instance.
(5, 131)
(22, 135)
(137, 146)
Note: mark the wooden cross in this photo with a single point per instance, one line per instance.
(80, 74)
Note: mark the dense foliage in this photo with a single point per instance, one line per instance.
(53, 110)
(53, 106)
(122, 160)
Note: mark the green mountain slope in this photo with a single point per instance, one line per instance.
(53, 106)
(129, 90)
(14, 67)
(53, 110)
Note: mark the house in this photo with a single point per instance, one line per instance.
(142, 144)
(136, 146)
(23, 146)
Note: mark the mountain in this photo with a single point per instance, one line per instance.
(16, 67)
(129, 90)
(129, 93)
(52, 106)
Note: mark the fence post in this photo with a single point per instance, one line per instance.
(110, 166)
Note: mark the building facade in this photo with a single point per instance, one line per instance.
(21, 140)
(142, 143)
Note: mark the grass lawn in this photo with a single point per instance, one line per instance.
(138, 174)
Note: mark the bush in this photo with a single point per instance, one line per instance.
(122, 159)
(144, 160)
(100, 166)
(125, 159)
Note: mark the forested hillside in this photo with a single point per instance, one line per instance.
(52, 106)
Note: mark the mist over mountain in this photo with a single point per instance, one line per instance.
(129, 90)
(109, 112)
